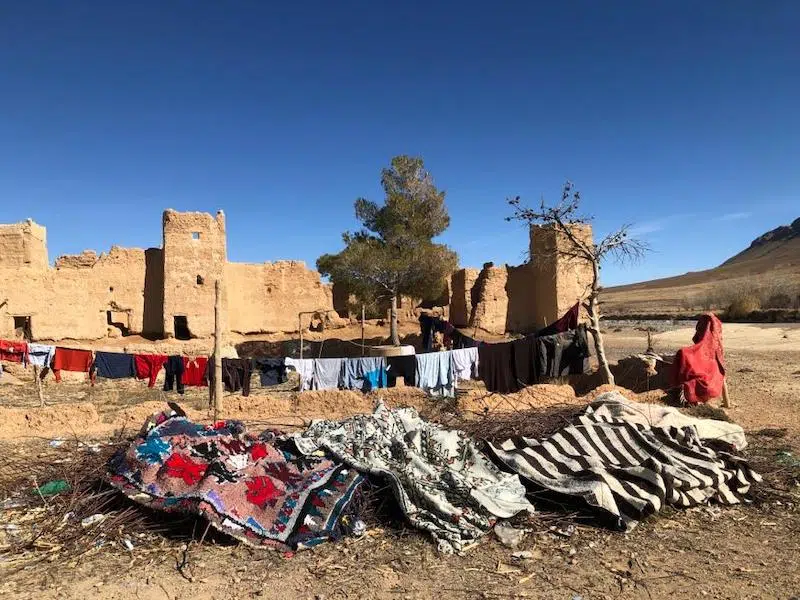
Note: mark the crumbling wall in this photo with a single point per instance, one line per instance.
(23, 245)
(461, 284)
(194, 258)
(73, 301)
(561, 281)
(266, 298)
(489, 299)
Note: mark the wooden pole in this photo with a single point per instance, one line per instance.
(300, 329)
(363, 312)
(217, 349)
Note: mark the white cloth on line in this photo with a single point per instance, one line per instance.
(305, 368)
(465, 363)
(41, 355)
(327, 373)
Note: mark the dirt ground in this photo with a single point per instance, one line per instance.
(710, 552)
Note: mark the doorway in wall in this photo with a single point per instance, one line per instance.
(22, 327)
(181, 327)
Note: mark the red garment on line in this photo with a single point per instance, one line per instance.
(67, 359)
(148, 366)
(700, 369)
(567, 322)
(13, 351)
(194, 371)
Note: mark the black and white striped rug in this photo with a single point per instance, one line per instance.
(626, 460)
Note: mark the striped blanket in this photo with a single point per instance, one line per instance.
(626, 460)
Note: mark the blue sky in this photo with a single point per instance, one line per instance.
(678, 116)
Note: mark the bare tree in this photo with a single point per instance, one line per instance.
(618, 245)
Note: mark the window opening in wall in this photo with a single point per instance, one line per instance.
(181, 325)
(111, 289)
(200, 280)
(115, 319)
(22, 327)
(195, 235)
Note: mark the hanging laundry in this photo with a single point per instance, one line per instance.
(67, 359)
(699, 370)
(114, 365)
(401, 366)
(272, 371)
(525, 360)
(148, 366)
(563, 353)
(465, 363)
(462, 341)
(328, 373)
(174, 368)
(364, 374)
(567, 322)
(435, 374)
(235, 374)
(41, 355)
(496, 367)
(13, 351)
(304, 368)
(194, 371)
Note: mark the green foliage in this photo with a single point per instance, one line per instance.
(394, 253)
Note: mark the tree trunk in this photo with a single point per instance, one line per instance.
(594, 321)
(393, 322)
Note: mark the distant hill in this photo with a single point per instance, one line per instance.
(771, 264)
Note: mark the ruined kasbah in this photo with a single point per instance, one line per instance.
(169, 292)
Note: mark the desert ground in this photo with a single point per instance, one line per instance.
(747, 551)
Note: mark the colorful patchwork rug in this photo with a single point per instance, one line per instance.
(259, 490)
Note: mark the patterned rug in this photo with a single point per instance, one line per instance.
(442, 482)
(257, 489)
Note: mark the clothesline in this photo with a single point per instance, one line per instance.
(504, 367)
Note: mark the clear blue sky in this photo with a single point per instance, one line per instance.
(680, 116)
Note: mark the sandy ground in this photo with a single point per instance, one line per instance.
(711, 552)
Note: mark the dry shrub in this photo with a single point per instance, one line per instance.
(742, 305)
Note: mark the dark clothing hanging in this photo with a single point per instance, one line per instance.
(563, 353)
(235, 374)
(461, 341)
(401, 366)
(174, 374)
(567, 322)
(272, 371)
(495, 367)
(525, 363)
(114, 365)
(426, 330)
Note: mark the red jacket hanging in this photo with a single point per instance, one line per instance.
(194, 371)
(67, 359)
(148, 366)
(13, 351)
(700, 369)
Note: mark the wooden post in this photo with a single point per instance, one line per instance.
(362, 329)
(217, 349)
(726, 399)
(300, 330)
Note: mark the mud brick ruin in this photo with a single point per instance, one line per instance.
(168, 292)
